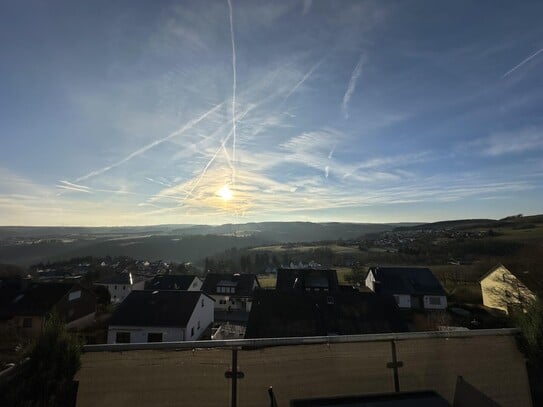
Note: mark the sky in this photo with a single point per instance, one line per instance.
(147, 112)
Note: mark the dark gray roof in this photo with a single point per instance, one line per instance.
(170, 282)
(276, 314)
(300, 279)
(156, 308)
(38, 298)
(119, 278)
(242, 282)
(407, 280)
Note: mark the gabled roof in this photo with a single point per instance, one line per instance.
(243, 282)
(530, 280)
(170, 282)
(156, 308)
(119, 278)
(276, 314)
(39, 298)
(9, 288)
(407, 280)
(300, 279)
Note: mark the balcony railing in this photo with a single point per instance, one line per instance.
(239, 372)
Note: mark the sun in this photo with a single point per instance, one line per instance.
(225, 193)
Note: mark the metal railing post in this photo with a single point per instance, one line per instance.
(234, 377)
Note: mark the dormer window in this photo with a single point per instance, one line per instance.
(226, 287)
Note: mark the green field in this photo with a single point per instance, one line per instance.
(306, 248)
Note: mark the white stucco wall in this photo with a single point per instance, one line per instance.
(203, 314)
(370, 279)
(231, 302)
(119, 292)
(138, 334)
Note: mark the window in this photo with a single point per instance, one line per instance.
(434, 300)
(27, 322)
(74, 295)
(191, 332)
(122, 337)
(154, 337)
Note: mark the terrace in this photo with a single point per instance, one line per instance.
(240, 372)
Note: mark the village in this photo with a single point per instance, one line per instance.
(140, 301)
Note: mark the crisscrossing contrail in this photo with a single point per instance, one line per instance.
(234, 85)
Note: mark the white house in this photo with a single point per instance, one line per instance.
(161, 316)
(120, 285)
(412, 287)
(181, 282)
(231, 292)
(506, 291)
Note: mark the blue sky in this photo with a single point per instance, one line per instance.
(126, 113)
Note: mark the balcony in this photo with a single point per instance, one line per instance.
(239, 372)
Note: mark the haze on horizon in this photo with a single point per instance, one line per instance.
(187, 112)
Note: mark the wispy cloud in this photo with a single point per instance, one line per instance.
(74, 187)
(234, 85)
(509, 72)
(510, 142)
(149, 146)
(352, 85)
(304, 78)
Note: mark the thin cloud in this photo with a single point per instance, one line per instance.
(149, 146)
(304, 78)
(306, 6)
(352, 85)
(503, 143)
(234, 85)
(509, 72)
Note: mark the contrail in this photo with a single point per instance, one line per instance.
(234, 84)
(522, 63)
(352, 85)
(221, 147)
(155, 143)
(305, 77)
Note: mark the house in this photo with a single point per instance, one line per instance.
(412, 287)
(306, 279)
(231, 292)
(73, 304)
(181, 282)
(161, 316)
(503, 290)
(120, 285)
(278, 314)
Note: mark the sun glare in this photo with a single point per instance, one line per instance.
(225, 193)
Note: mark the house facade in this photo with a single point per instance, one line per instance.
(502, 290)
(412, 287)
(121, 285)
(181, 282)
(231, 292)
(161, 316)
(28, 311)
